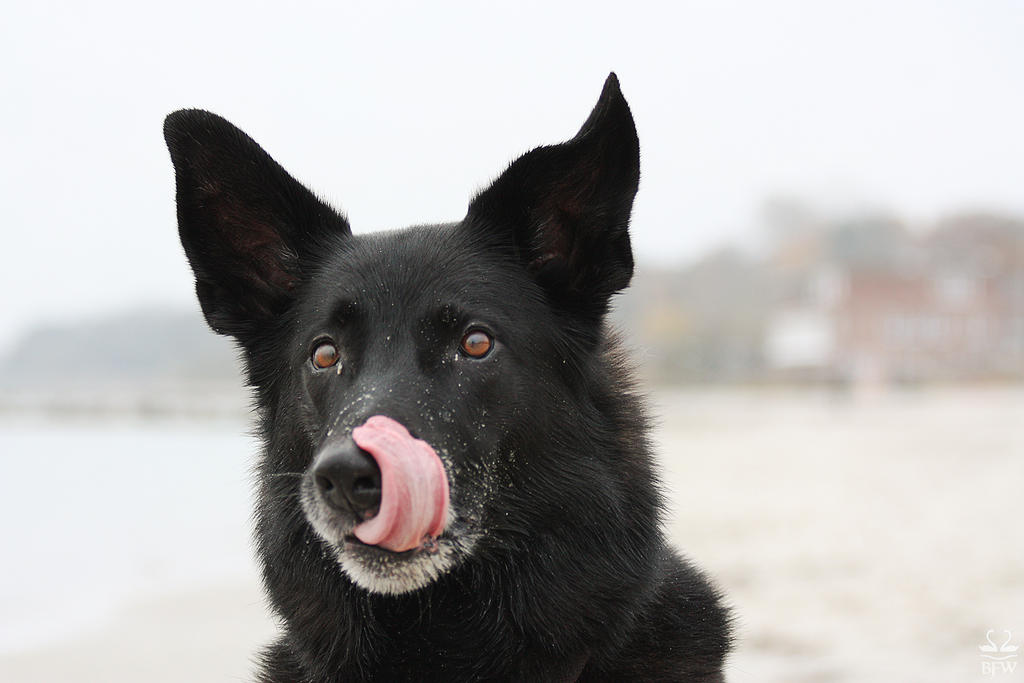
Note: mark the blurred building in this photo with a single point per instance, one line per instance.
(872, 302)
(858, 300)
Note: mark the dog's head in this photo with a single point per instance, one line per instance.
(412, 385)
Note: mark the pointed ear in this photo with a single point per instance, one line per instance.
(564, 210)
(249, 229)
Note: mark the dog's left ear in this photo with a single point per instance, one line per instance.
(564, 210)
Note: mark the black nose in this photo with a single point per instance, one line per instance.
(348, 479)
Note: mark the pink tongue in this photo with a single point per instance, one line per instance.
(413, 487)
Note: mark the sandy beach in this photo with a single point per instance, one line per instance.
(209, 634)
(859, 538)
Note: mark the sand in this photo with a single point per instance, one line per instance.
(860, 538)
(203, 635)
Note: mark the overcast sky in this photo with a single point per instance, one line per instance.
(398, 116)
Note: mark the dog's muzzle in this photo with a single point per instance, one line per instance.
(394, 485)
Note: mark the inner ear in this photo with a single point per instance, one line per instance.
(246, 231)
(565, 212)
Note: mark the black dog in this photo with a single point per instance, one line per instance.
(456, 483)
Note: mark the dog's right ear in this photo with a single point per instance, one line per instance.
(249, 229)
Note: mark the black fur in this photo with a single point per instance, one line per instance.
(559, 570)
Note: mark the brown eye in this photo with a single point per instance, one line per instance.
(325, 355)
(477, 343)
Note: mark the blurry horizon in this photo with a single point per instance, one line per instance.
(845, 300)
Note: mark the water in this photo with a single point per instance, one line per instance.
(94, 516)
